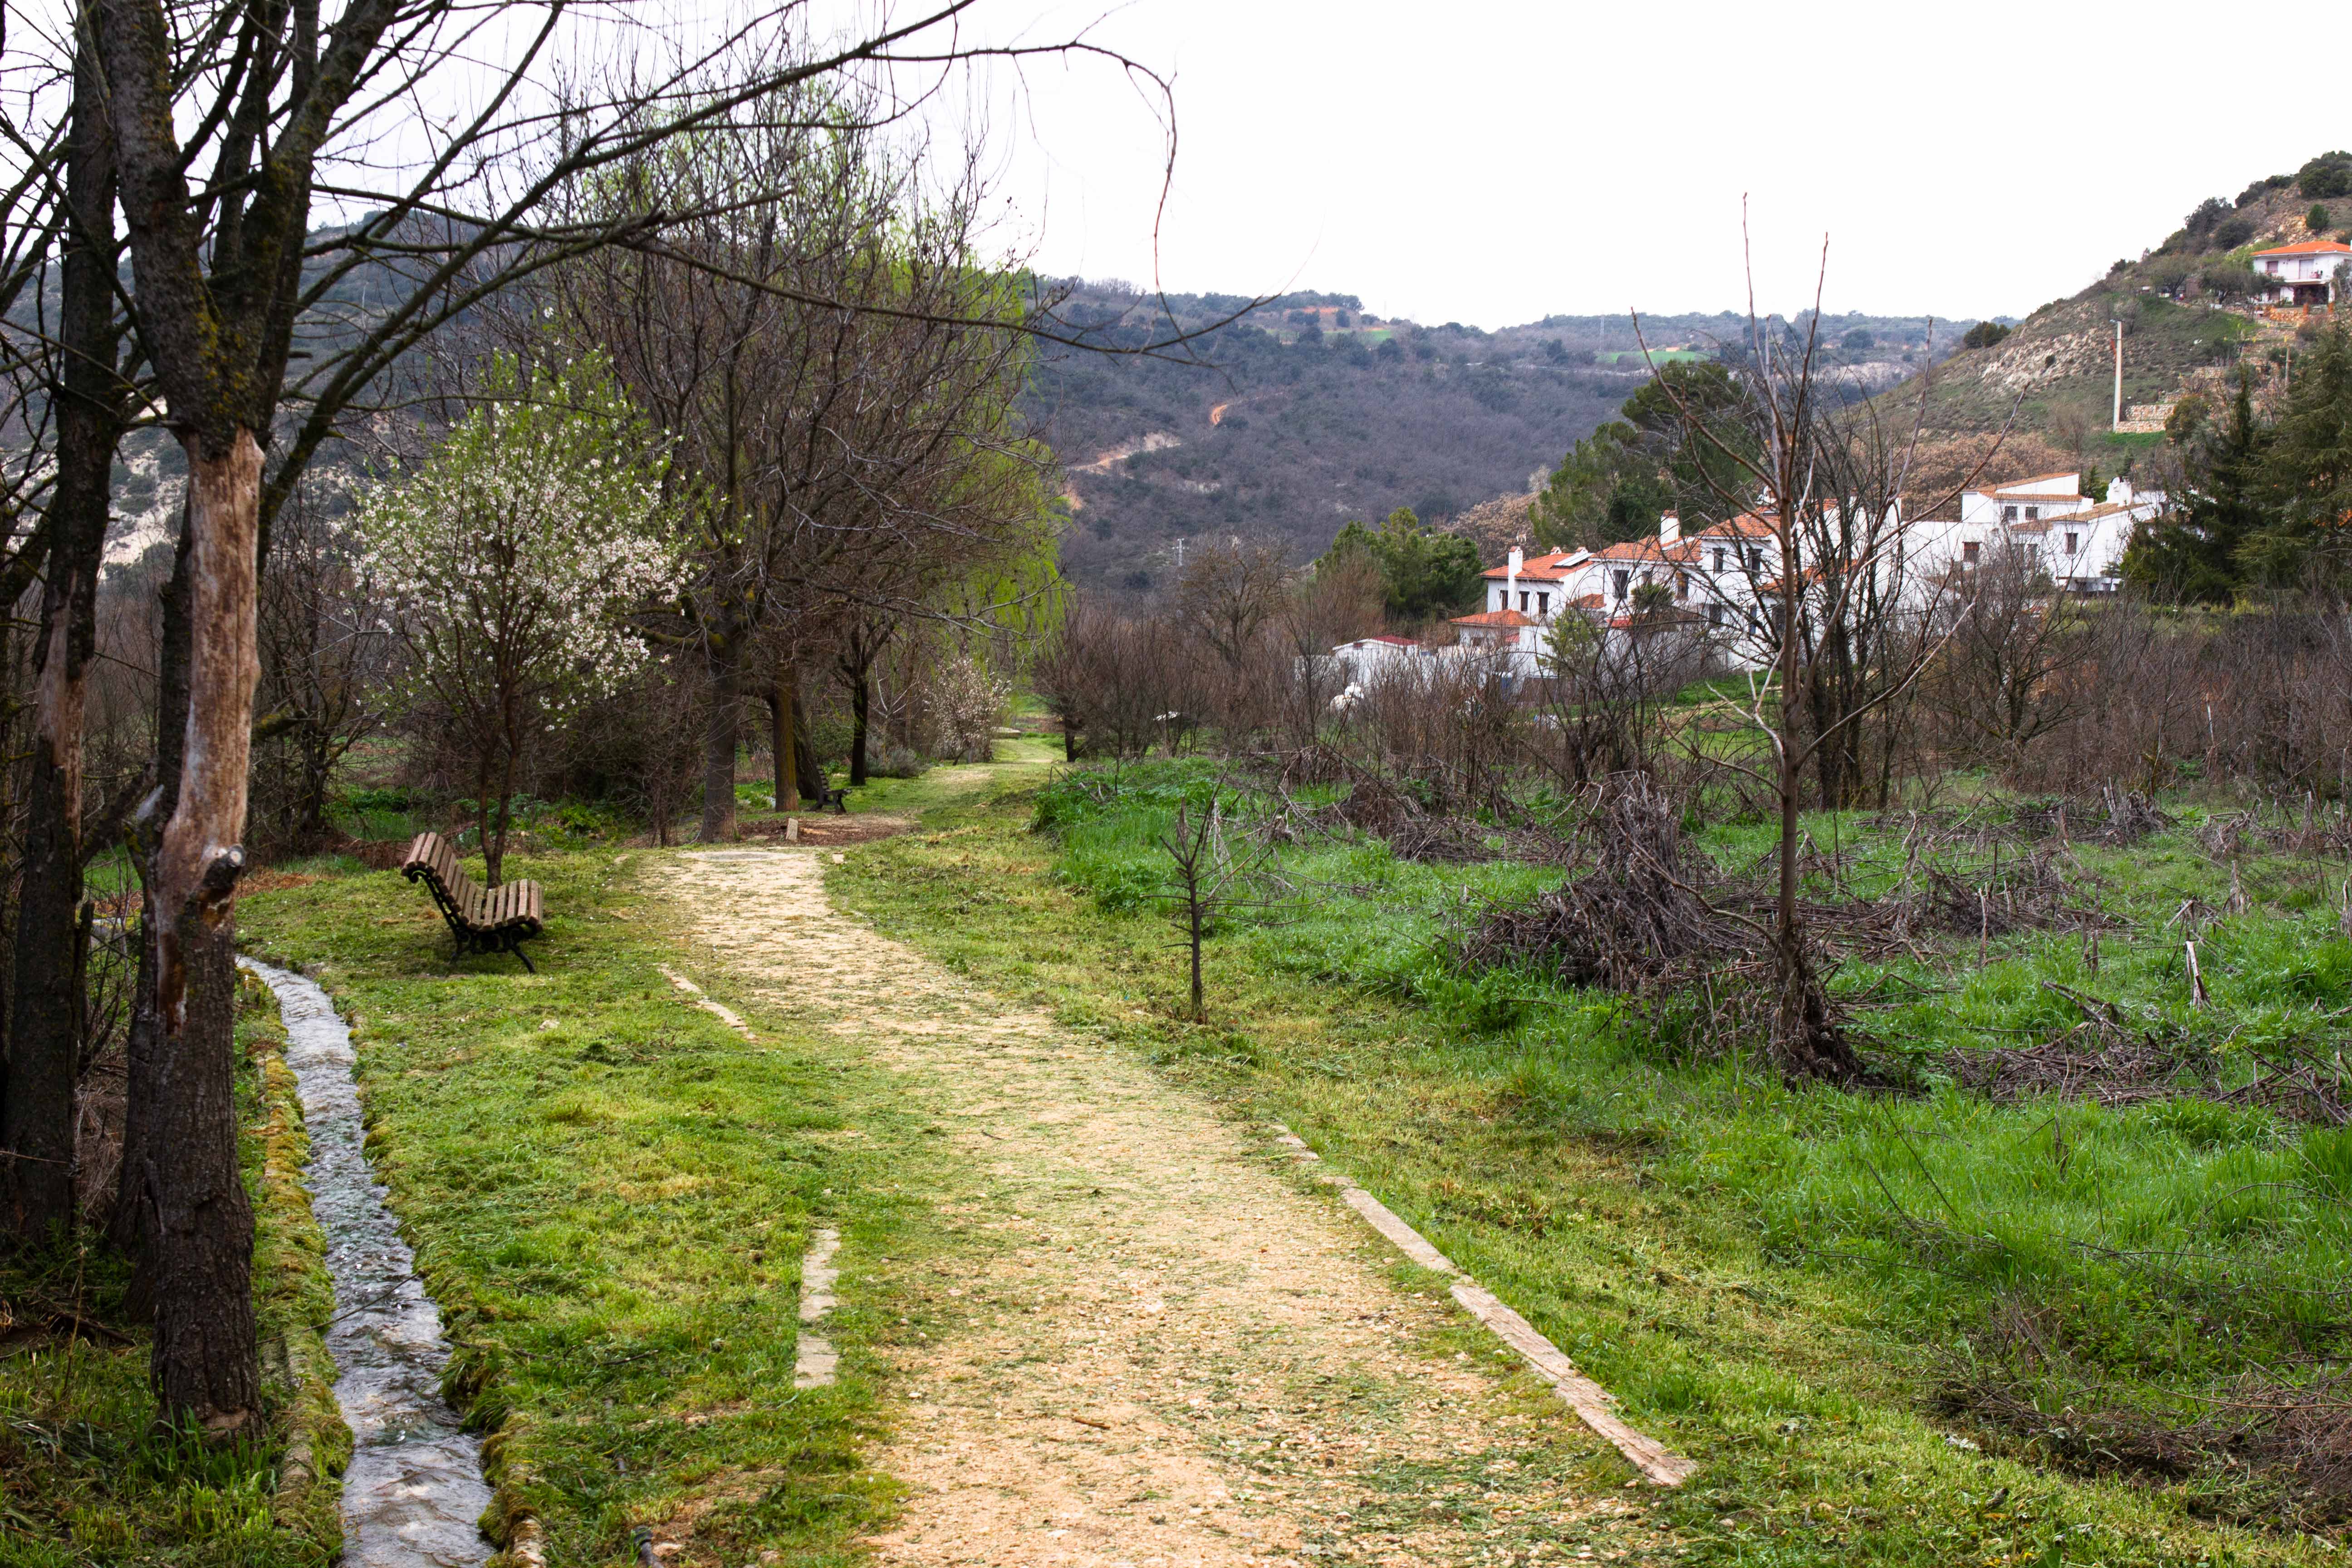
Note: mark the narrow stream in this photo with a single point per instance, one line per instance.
(415, 1488)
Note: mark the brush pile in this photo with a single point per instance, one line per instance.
(1635, 917)
(2281, 1447)
(2118, 816)
(2107, 1060)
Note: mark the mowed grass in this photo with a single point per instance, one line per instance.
(1779, 1283)
(86, 1475)
(609, 1192)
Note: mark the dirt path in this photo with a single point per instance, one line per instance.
(1169, 1353)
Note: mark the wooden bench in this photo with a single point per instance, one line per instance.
(492, 919)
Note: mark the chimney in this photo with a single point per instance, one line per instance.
(1670, 532)
(1511, 577)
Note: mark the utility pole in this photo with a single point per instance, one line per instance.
(2119, 374)
(1180, 556)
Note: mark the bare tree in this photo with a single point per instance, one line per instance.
(326, 663)
(1838, 591)
(2016, 660)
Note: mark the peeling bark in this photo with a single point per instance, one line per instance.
(200, 858)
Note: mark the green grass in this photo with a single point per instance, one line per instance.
(87, 1477)
(609, 1193)
(1778, 1282)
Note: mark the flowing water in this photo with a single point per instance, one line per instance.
(415, 1488)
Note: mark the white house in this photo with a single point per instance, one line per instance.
(2302, 274)
(2077, 539)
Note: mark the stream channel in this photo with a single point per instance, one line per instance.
(415, 1488)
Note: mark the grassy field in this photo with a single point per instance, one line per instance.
(84, 1477)
(1814, 1293)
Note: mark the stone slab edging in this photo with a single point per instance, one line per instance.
(1593, 1404)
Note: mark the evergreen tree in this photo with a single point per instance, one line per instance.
(2196, 554)
(1423, 574)
(2309, 475)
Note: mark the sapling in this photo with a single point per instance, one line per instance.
(1213, 876)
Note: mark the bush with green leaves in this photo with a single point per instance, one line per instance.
(2327, 176)
(2317, 219)
(1983, 335)
(1423, 574)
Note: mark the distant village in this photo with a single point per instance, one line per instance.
(1720, 585)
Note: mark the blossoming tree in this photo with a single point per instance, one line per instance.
(514, 559)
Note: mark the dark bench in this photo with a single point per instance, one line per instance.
(835, 800)
(491, 920)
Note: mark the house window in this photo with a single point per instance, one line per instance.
(1718, 558)
(1523, 598)
(2033, 514)
(1617, 581)
(2271, 265)
(1681, 585)
(1969, 553)
(2072, 540)
(1714, 614)
(1543, 603)
(1755, 558)
(2009, 514)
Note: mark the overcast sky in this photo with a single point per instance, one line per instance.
(1495, 162)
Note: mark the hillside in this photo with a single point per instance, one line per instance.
(2186, 326)
(1310, 412)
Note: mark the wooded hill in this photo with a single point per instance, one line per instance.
(1308, 413)
(2186, 324)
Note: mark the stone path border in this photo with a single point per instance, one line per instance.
(1592, 1404)
(814, 1365)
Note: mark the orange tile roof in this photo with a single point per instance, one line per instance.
(1504, 619)
(2309, 248)
(1747, 525)
(1587, 602)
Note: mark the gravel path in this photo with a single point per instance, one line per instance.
(1169, 1352)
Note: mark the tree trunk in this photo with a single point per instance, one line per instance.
(198, 1252)
(861, 698)
(784, 688)
(494, 849)
(134, 1209)
(201, 1253)
(813, 779)
(1195, 912)
(482, 817)
(36, 1080)
(723, 655)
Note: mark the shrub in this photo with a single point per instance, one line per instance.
(968, 700)
(1983, 335)
(2207, 214)
(2263, 187)
(2233, 233)
(2229, 280)
(2329, 174)
(896, 762)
